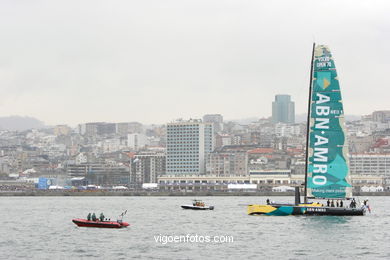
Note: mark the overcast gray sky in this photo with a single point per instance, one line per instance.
(153, 61)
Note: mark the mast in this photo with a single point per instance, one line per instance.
(308, 123)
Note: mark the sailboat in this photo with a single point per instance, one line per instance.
(327, 174)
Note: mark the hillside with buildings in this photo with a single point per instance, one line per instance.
(205, 154)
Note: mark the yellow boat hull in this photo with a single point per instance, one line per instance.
(302, 209)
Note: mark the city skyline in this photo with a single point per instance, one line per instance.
(15, 122)
(154, 63)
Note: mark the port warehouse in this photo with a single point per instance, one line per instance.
(366, 171)
(111, 176)
(262, 181)
(256, 180)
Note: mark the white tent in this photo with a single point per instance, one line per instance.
(55, 187)
(149, 185)
(283, 189)
(119, 188)
(371, 189)
(244, 186)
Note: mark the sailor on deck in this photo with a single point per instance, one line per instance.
(353, 204)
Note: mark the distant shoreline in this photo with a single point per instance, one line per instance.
(158, 193)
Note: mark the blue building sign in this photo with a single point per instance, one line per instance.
(44, 183)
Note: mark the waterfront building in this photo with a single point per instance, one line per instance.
(264, 180)
(370, 164)
(189, 144)
(196, 183)
(283, 109)
(100, 173)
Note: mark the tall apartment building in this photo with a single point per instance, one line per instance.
(188, 145)
(228, 163)
(122, 129)
(99, 128)
(381, 116)
(137, 141)
(147, 166)
(62, 130)
(216, 120)
(283, 109)
(125, 128)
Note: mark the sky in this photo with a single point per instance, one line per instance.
(153, 61)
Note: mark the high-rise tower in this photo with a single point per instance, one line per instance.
(188, 145)
(283, 109)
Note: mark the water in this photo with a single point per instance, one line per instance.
(41, 228)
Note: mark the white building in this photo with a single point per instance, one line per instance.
(228, 163)
(81, 129)
(188, 145)
(110, 145)
(370, 164)
(137, 141)
(287, 130)
(147, 166)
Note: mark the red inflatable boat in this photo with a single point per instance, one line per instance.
(99, 224)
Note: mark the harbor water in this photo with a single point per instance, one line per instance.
(41, 228)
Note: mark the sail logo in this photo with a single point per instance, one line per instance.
(323, 79)
(320, 154)
(324, 62)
